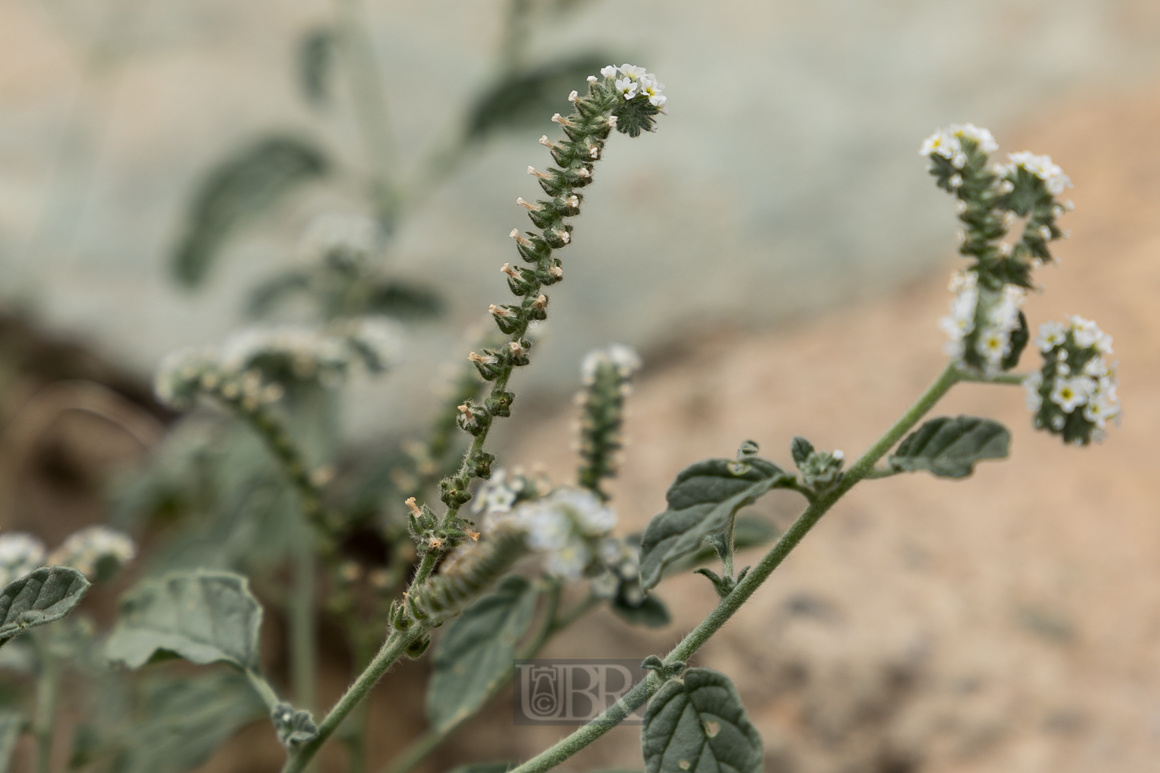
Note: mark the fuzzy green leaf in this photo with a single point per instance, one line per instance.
(41, 596)
(203, 617)
(949, 448)
(696, 724)
(238, 190)
(11, 725)
(478, 650)
(180, 722)
(701, 501)
(316, 49)
(528, 98)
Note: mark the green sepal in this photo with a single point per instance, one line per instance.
(294, 727)
(1018, 342)
(800, 449)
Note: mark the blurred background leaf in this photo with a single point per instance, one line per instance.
(238, 190)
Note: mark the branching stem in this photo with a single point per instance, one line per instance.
(729, 605)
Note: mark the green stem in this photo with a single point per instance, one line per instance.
(729, 605)
(975, 377)
(47, 690)
(263, 688)
(303, 614)
(392, 649)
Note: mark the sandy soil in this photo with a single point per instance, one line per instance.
(1008, 622)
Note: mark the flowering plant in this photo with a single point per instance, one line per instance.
(486, 552)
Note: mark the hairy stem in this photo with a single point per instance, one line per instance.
(392, 649)
(303, 614)
(47, 690)
(728, 606)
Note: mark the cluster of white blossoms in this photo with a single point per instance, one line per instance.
(1042, 167)
(981, 319)
(569, 527)
(339, 238)
(632, 81)
(20, 553)
(623, 358)
(92, 550)
(948, 143)
(246, 363)
(1075, 394)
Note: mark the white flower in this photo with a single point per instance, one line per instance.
(1086, 332)
(940, 143)
(497, 494)
(1096, 368)
(1102, 407)
(86, 550)
(961, 321)
(627, 87)
(609, 71)
(993, 345)
(632, 72)
(623, 358)
(592, 517)
(20, 553)
(1051, 335)
(1032, 383)
(1043, 168)
(982, 137)
(568, 561)
(1069, 393)
(653, 90)
(378, 339)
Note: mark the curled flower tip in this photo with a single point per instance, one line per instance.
(1042, 167)
(528, 205)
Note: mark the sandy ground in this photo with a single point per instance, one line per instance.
(1007, 622)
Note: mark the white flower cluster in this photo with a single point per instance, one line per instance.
(88, 551)
(635, 81)
(994, 314)
(569, 527)
(1080, 379)
(94, 549)
(20, 553)
(623, 358)
(621, 563)
(1042, 167)
(342, 238)
(239, 368)
(948, 143)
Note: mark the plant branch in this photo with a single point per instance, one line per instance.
(729, 605)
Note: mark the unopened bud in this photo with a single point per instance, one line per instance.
(574, 96)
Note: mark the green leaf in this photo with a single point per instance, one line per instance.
(701, 501)
(696, 724)
(11, 726)
(203, 617)
(1018, 341)
(266, 296)
(650, 612)
(238, 190)
(477, 651)
(530, 97)
(181, 722)
(41, 596)
(800, 449)
(950, 447)
(316, 49)
(404, 301)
